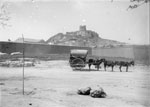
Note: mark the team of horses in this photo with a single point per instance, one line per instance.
(109, 63)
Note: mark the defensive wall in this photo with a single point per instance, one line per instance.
(141, 54)
(125, 52)
(37, 49)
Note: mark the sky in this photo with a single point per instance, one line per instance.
(42, 19)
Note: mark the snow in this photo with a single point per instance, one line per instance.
(55, 84)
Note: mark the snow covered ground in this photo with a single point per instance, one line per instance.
(55, 84)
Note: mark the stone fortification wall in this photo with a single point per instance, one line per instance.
(37, 49)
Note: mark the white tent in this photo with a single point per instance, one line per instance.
(1, 54)
(16, 53)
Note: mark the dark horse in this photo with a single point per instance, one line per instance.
(95, 62)
(109, 64)
(125, 64)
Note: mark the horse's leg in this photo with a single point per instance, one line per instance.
(97, 67)
(89, 67)
(100, 66)
(112, 68)
(120, 68)
(127, 68)
(105, 67)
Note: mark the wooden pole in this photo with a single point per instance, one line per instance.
(23, 64)
(149, 24)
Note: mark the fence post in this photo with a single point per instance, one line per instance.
(23, 64)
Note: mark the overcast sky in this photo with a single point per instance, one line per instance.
(41, 19)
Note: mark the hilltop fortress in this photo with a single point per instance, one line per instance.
(83, 32)
(81, 37)
(61, 44)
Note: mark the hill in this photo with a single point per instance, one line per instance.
(82, 37)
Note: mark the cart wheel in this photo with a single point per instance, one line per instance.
(78, 63)
(78, 68)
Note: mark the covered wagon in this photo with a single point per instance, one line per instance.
(78, 58)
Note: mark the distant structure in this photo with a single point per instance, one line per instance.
(28, 40)
(82, 31)
(82, 28)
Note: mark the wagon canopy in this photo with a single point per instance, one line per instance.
(77, 52)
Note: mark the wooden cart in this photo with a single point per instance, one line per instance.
(78, 58)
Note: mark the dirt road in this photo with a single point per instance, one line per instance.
(54, 84)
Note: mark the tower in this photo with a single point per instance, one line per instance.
(82, 28)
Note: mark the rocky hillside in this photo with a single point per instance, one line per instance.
(83, 37)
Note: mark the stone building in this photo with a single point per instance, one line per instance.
(29, 40)
(82, 28)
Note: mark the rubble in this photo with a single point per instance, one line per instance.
(84, 91)
(97, 92)
(16, 64)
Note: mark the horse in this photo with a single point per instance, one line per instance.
(91, 62)
(95, 62)
(109, 64)
(125, 64)
(98, 62)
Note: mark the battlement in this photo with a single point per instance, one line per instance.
(82, 28)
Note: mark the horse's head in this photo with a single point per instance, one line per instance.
(91, 60)
(117, 63)
(102, 60)
(132, 63)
